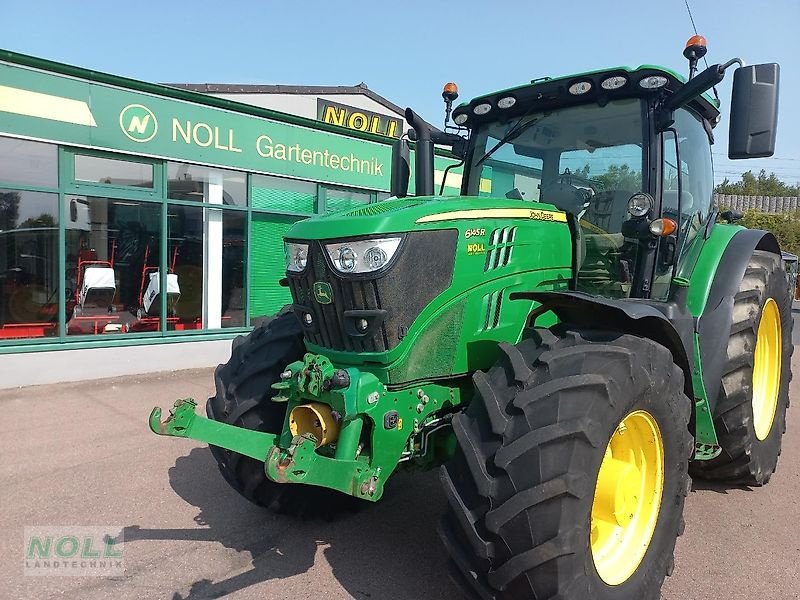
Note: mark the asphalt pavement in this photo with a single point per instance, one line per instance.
(81, 454)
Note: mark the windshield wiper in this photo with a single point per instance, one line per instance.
(512, 133)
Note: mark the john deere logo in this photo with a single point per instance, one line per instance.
(138, 123)
(323, 292)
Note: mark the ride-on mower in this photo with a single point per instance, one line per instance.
(148, 315)
(93, 310)
(568, 339)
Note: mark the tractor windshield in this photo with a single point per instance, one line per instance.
(548, 156)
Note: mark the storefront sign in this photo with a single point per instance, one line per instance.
(77, 112)
(358, 119)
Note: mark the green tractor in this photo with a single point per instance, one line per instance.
(567, 340)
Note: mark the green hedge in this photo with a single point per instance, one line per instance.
(785, 227)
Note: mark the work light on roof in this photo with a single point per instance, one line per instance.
(580, 87)
(461, 118)
(653, 82)
(482, 109)
(506, 102)
(614, 82)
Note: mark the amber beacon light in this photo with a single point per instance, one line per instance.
(450, 91)
(695, 49)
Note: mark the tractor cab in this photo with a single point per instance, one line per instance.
(592, 151)
(625, 153)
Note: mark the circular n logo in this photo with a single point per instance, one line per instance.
(138, 123)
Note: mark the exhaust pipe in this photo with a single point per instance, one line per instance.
(423, 163)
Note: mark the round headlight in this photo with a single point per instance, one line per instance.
(506, 102)
(375, 258)
(347, 258)
(461, 118)
(640, 204)
(300, 258)
(580, 87)
(482, 109)
(614, 82)
(653, 82)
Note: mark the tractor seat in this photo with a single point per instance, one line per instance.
(669, 200)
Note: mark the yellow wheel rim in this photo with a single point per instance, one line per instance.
(627, 498)
(767, 369)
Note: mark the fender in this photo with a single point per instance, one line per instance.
(714, 313)
(658, 321)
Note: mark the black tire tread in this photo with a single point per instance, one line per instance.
(243, 393)
(533, 402)
(744, 460)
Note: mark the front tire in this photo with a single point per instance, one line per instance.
(244, 398)
(750, 414)
(528, 500)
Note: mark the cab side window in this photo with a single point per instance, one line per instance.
(686, 189)
(689, 159)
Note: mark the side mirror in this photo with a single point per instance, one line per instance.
(401, 168)
(73, 210)
(754, 111)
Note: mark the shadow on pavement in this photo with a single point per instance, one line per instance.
(387, 550)
(719, 487)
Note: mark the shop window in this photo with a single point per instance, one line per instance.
(29, 291)
(111, 171)
(268, 264)
(337, 199)
(186, 251)
(207, 248)
(28, 163)
(206, 184)
(285, 195)
(112, 250)
(233, 281)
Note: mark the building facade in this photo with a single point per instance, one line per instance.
(113, 191)
(354, 107)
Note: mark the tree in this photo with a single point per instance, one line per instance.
(43, 221)
(9, 210)
(620, 177)
(616, 177)
(760, 185)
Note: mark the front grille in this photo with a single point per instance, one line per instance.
(328, 329)
(422, 270)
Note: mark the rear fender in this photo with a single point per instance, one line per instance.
(714, 308)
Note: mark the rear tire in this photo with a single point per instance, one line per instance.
(521, 488)
(748, 458)
(244, 398)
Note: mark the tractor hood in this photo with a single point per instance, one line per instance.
(414, 214)
(458, 260)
